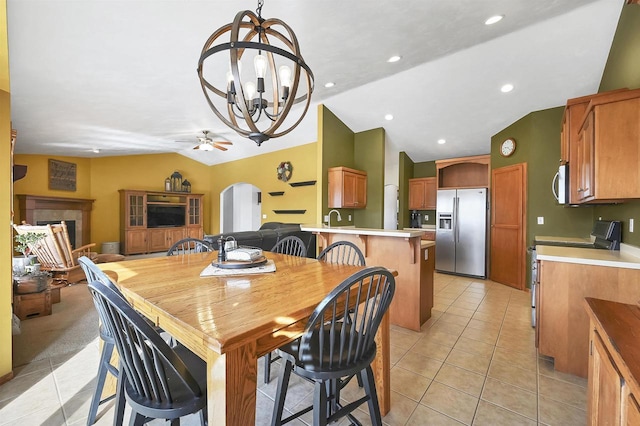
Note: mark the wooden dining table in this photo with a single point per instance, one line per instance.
(231, 321)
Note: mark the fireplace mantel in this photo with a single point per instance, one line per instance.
(29, 203)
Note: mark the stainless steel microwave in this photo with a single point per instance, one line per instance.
(560, 184)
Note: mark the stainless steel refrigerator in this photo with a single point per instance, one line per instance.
(461, 231)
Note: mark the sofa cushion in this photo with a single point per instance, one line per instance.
(267, 237)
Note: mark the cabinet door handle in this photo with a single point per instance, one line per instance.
(580, 190)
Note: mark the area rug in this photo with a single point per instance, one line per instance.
(72, 325)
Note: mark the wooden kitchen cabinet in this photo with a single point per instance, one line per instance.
(572, 120)
(607, 150)
(605, 385)
(422, 193)
(562, 324)
(347, 188)
(614, 363)
(464, 172)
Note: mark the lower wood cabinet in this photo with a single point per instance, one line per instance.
(614, 363)
(161, 239)
(135, 241)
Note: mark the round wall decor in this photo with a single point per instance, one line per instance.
(285, 170)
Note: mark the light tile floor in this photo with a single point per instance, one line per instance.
(474, 362)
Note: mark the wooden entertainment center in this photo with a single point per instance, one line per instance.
(177, 216)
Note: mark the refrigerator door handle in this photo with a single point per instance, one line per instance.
(456, 230)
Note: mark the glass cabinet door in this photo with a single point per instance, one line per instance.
(194, 210)
(136, 210)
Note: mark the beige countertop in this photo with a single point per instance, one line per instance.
(627, 257)
(362, 231)
(427, 243)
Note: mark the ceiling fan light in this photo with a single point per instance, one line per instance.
(205, 147)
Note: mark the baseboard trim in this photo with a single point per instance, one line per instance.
(4, 379)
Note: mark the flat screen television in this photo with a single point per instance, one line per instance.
(159, 216)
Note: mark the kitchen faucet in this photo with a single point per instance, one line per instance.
(329, 217)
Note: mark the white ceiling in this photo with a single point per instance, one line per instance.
(121, 75)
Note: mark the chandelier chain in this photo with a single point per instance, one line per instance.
(259, 9)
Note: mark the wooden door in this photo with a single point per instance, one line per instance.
(508, 226)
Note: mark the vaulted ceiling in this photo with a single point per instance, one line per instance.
(120, 76)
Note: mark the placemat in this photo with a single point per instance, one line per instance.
(212, 271)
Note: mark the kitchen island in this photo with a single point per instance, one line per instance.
(399, 250)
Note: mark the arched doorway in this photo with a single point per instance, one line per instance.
(240, 208)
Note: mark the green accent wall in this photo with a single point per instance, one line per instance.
(623, 64)
(369, 156)
(340, 146)
(623, 70)
(405, 171)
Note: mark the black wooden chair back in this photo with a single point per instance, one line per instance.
(158, 382)
(343, 253)
(188, 246)
(290, 245)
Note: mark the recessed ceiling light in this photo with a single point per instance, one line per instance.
(394, 58)
(388, 117)
(96, 150)
(506, 88)
(494, 19)
(329, 84)
(442, 141)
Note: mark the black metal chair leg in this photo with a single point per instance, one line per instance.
(118, 419)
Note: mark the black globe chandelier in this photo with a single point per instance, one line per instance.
(256, 103)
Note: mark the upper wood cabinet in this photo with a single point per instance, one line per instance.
(422, 193)
(607, 159)
(347, 188)
(464, 172)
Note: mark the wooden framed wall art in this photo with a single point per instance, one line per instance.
(62, 175)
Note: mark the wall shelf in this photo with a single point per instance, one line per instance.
(277, 193)
(289, 211)
(305, 183)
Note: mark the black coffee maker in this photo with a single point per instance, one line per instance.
(416, 219)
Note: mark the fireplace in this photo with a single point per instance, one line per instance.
(36, 209)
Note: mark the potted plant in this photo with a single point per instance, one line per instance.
(27, 277)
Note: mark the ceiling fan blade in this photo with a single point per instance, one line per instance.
(223, 142)
(221, 148)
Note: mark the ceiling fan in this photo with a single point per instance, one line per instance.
(207, 143)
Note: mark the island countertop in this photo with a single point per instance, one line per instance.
(362, 231)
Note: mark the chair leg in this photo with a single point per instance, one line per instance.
(370, 390)
(267, 367)
(137, 419)
(118, 418)
(320, 404)
(105, 356)
(281, 393)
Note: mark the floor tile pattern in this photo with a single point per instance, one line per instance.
(473, 363)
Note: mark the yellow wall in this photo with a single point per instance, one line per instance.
(101, 178)
(146, 172)
(260, 171)
(6, 243)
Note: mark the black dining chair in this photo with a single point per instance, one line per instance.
(158, 381)
(94, 273)
(332, 350)
(343, 253)
(290, 245)
(188, 246)
(293, 246)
